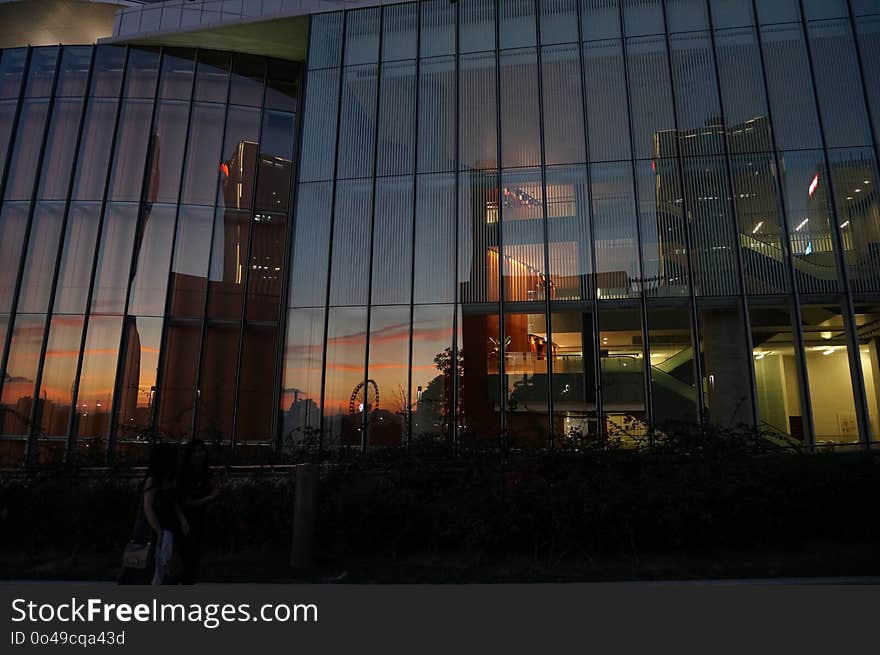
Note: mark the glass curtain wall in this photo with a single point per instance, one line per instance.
(144, 229)
(579, 219)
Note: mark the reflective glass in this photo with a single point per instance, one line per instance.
(20, 374)
(437, 35)
(477, 122)
(778, 11)
(400, 24)
(615, 231)
(266, 267)
(107, 71)
(642, 17)
(397, 118)
(479, 378)
(212, 76)
(282, 85)
(623, 372)
(132, 142)
(357, 129)
(563, 105)
(362, 36)
(520, 109)
(430, 396)
(74, 71)
(301, 382)
(229, 264)
(600, 19)
(113, 267)
(152, 257)
(325, 40)
(437, 120)
(25, 156)
(434, 257)
(866, 317)
(687, 15)
(527, 352)
(276, 161)
(216, 390)
(522, 212)
(166, 151)
(247, 83)
(672, 371)
(605, 85)
(60, 149)
(388, 375)
(12, 62)
(177, 382)
(142, 72)
(392, 241)
(311, 245)
(41, 72)
(696, 94)
(559, 21)
(568, 233)
(517, 24)
(731, 13)
(317, 156)
(189, 268)
(178, 70)
(137, 384)
(239, 158)
(868, 31)
(650, 89)
(59, 371)
(346, 395)
(256, 391)
(478, 237)
(42, 253)
(97, 378)
(13, 223)
(203, 155)
(574, 376)
(77, 257)
(350, 263)
(96, 142)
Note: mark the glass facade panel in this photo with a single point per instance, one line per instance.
(731, 13)
(96, 381)
(574, 376)
(778, 11)
(687, 15)
(74, 71)
(216, 391)
(357, 121)
(23, 358)
(568, 233)
(319, 126)
(113, 267)
(362, 28)
(438, 26)
(189, 268)
(517, 24)
(650, 90)
(387, 414)
(13, 224)
(325, 40)
(392, 241)
(256, 391)
(177, 382)
(868, 35)
(12, 63)
(178, 72)
(166, 149)
(59, 370)
(478, 237)
(605, 86)
(437, 118)
(137, 385)
(132, 141)
(25, 156)
(477, 117)
(615, 232)
(562, 105)
(400, 26)
(350, 261)
(203, 152)
(60, 149)
(866, 317)
(600, 19)
(522, 211)
(96, 143)
(520, 109)
(672, 366)
(642, 17)
(301, 381)
(152, 258)
(527, 352)
(346, 394)
(559, 21)
(479, 377)
(311, 245)
(696, 94)
(434, 255)
(623, 372)
(39, 262)
(77, 256)
(397, 117)
(41, 72)
(432, 372)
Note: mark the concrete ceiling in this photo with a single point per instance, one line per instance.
(283, 38)
(49, 22)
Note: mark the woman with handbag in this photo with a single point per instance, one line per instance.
(149, 557)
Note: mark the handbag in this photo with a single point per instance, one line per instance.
(135, 555)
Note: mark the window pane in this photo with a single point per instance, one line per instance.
(152, 257)
(568, 233)
(74, 72)
(478, 238)
(143, 68)
(358, 121)
(59, 371)
(606, 101)
(266, 267)
(276, 161)
(563, 106)
(673, 379)
(301, 385)
(397, 117)
(805, 184)
(517, 26)
(26, 152)
(742, 89)
(650, 91)
(21, 373)
(212, 76)
(177, 385)
(707, 194)
(696, 89)
(317, 159)
(777, 378)
(430, 397)
(829, 374)
(687, 15)
(623, 371)
(7, 116)
(400, 25)
(132, 141)
(203, 155)
(216, 391)
(75, 272)
(643, 17)
(574, 376)
(311, 245)
(95, 396)
(350, 271)
(665, 270)
(731, 13)
(479, 378)
(520, 109)
(362, 36)
(523, 235)
(790, 87)
(229, 251)
(138, 383)
(247, 83)
(724, 352)
(477, 135)
(614, 219)
(166, 152)
(438, 28)
(858, 211)
(600, 19)
(392, 241)
(868, 31)
(42, 253)
(94, 150)
(178, 69)
(114, 258)
(107, 71)
(236, 189)
(762, 236)
(437, 118)
(13, 223)
(325, 40)
(60, 149)
(778, 11)
(388, 370)
(559, 21)
(12, 63)
(819, 9)
(435, 239)
(41, 72)
(526, 354)
(345, 394)
(839, 85)
(866, 317)
(189, 268)
(256, 392)
(282, 85)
